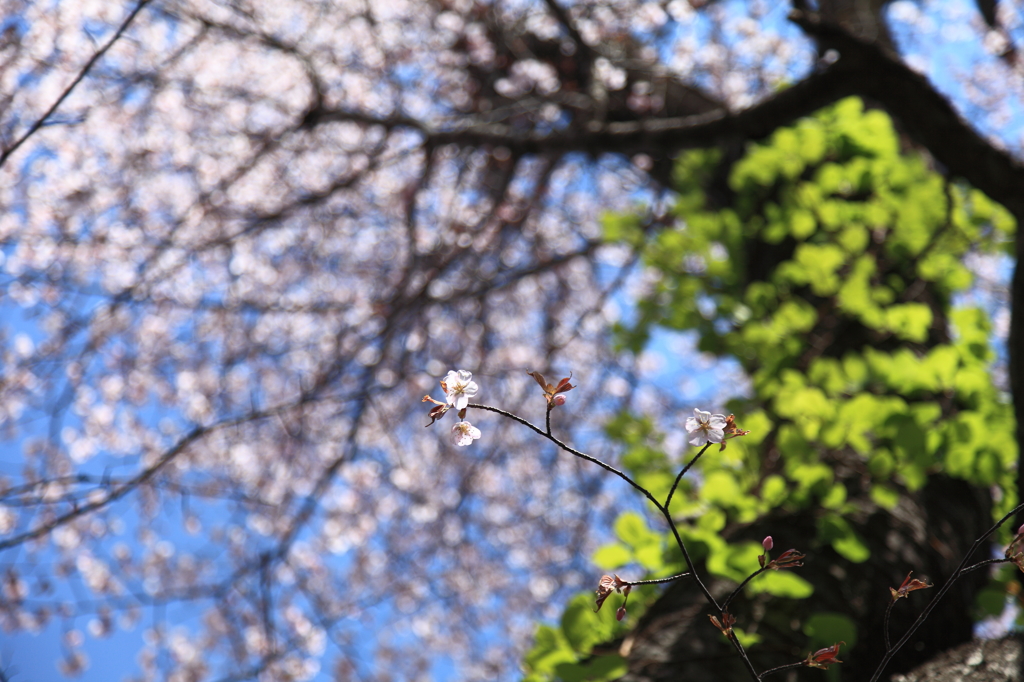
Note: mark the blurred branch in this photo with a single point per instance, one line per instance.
(113, 495)
(41, 121)
(863, 69)
(570, 28)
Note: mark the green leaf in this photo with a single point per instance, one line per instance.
(782, 583)
(747, 639)
(827, 628)
(632, 529)
(582, 627)
(549, 649)
(611, 556)
(836, 530)
(835, 498)
(720, 488)
(852, 547)
(608, 667)
(773, 490)
(735, 562)
(909, 321)
(884, 496)
(651, 557)
(991, 601)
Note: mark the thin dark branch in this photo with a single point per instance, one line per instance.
(885, 625)
(656, 581)
(570, 28)
(646, 493)
(739, 588)
(961, 569)
(682, 472)
(116, 493)
(571, 450)
(864, 69)
(982, 564)
(779, 669)
(147, 474)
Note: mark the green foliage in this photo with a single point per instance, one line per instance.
(825, 629)
(837, 531)
(785, 584)
(564, 652)
(830, 276)
(992, 600)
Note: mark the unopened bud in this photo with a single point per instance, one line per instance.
(767, 543)
(558, 400)
(621, 613)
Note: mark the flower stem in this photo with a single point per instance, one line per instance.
(682, 472)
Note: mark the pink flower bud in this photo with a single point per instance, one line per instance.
(558, 400)
(767, 543)
(1021, 529)
(621, 613)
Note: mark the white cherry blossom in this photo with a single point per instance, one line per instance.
(464, 433)
(460, 387)
(705, 427)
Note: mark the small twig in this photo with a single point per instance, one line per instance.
(571, 450)
(621, 474)
(961, 570)
(728, 600)
(779, 669)
(112, 496)
(885, 625)
(682, 472)
(982, 564)
(655, 581)
(958, 574)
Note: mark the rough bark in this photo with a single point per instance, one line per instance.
(994, 660)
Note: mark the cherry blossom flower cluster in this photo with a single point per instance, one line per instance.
(705, 428)
(458, 387)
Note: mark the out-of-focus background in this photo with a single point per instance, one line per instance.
(240, 241)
